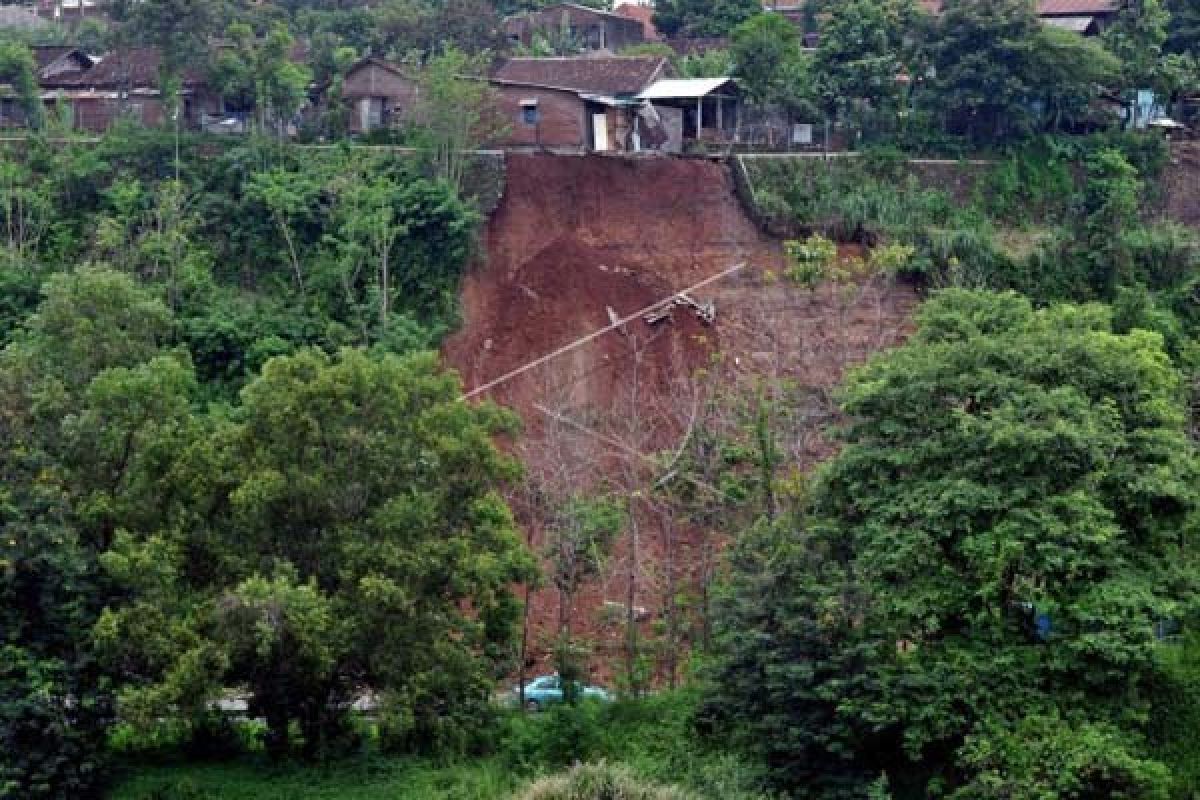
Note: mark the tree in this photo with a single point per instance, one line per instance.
(19, 69)
(81, 436)
(1137, 39)
(982, 58)
(1107, 211)
(581, 535)
(355, 541)
(770, 65)
(429, 29)
(703, 18)
(289, 197)
(861, 57)
(260, 72)
(978, 580)
(398, 242)
(457, 113)
(1071, 71)
(178, 29)
(1183, 31)
(25, 211)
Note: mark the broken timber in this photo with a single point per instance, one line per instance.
(707, 312)
(505, 378)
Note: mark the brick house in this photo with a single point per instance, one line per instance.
(1087, 17)
(578, 104)
(92, 93)
(379, 95)
(643, 15)
(575, 27)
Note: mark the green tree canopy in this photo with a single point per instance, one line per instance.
(769, 64)
(1008, 522)
(862, 56)
(19, 69)
(711, 18)
(87, 399)
(355, 540)
(981, 56)
(1183, 32)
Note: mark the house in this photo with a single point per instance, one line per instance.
(701, 110)
(92, 93)
(577, 104)
(379, 95)
(575, 27)
(645, 16)
(72, 12)
(1087, 17)
(21, 20)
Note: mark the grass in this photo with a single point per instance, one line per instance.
(652, 739)
(370, 779)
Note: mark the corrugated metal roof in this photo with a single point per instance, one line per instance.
(682, 89)
(1076, 24)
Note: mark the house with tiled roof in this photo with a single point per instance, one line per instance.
(618, 104)
(572, 27)
(92, 92)
(379, 94)
(643, 15)
(20, 19)
(576, 104)
(1088, 17)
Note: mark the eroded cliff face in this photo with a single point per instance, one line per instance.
(577, 242)
(1181, 184)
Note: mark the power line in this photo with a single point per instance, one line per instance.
(505, 378)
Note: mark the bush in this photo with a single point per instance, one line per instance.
(600, 782)
(1175, 716)
(558, 737)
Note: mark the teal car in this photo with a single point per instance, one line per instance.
(547, 690)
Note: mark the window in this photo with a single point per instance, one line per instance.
(529, 111)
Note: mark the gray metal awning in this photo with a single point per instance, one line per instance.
(688, 89)
(1075, 24)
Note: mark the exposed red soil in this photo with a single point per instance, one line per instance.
(1182, 183)
(575, 237)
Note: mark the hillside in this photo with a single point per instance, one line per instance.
(576, 237)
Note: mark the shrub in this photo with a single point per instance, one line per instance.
(600, 782)
(1175, 716)
(811, 260)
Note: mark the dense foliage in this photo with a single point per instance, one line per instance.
(191, 492)
(978, 584)
(234, 471)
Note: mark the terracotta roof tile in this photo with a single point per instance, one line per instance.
(1051, 8)
(606, 75)
(644, 15)
(1078, 6)
(136, 67)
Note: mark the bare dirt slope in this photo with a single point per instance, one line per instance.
(1182, 183)
(574, 239)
